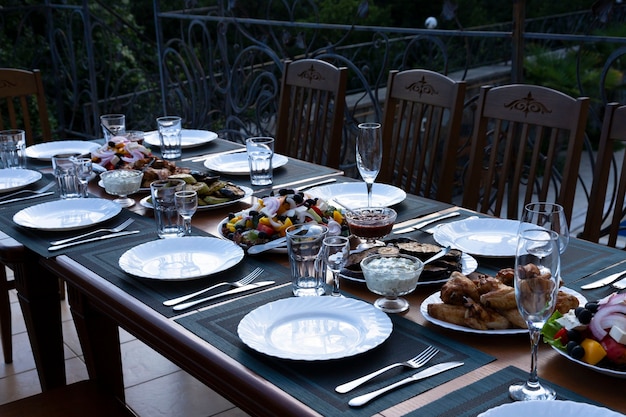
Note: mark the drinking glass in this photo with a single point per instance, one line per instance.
(537, 275)
(369, 154)
(550, 216)
(113, 125)
(84, 167)
(336, 252)
(186, 205)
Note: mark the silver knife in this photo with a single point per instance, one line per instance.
(620, 285)
(248, 287)
(93, 239)
(199, 158)
(13, 200)
(425, 223)
(433, 370)
(421, 218)
(604, 281)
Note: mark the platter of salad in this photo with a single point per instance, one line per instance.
(270, 216)
(593, 336)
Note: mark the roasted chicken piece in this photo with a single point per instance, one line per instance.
(506, 276)
(484, 318)
(566, 302)
(458, 288)
(514, 317)
(449, 313)
(501, 298)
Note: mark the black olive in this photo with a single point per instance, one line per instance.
(578, 310)
(584, 317)
(574, 335)
(575, 350)
(298, 199)
(262, 235)
(592, 306)
(253, 213)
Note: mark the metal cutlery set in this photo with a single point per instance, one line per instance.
(617, 281)
(42, 192)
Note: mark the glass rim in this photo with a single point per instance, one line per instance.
(369, 125)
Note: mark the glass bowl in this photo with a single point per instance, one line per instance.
(370, 223)
(391, 275)
(122, 182)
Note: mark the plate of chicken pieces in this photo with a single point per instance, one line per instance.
(484, 304)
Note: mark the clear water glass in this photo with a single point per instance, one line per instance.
(336, 252)
(84, 171)
(186, 205)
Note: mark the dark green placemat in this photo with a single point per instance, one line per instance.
(313, 382)
(485, 394)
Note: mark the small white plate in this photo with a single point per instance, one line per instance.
(248, 192)
(45, 151)
(237, 163)
(549, 409)
(480, 236)
(16, 178)
(314, 328)
(190, 138)
(354, 194)
(180, 258)
(76, 213)
(436, 299)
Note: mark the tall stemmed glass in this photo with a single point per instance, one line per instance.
(336, 252)
(537, 275)
(550, 216)
(369, 154)
(186, 204)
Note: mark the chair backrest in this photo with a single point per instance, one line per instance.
(22, 97)
(526, 146)
(310, 114)
(421, 127)
(606, 212)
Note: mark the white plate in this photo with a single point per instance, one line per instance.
(248, 192)
(70, 214)
(314, 328)
(45, 151)
(468, 265)
(237, 163)
(354, 194)
(436, 299)
(13, 179)
(549, 409)
(180, 258)
(605, 371)
(190, 138)
(480, 236)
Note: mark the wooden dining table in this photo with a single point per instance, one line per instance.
(203, 340)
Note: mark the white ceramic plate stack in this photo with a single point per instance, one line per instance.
(190, 138)
(354, 194)
(314, 328)
(182, 258)
(237, 163)
(14, 179)
(45, 151)
(72, 214)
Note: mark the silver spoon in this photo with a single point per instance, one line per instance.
(443, 252)
(273, 244)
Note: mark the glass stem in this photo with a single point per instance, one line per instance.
(369, 193)
(335, 292)
(187, 222)
(534, 343)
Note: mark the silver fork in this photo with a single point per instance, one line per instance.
(39, 191)
(243, 281)
(416, 362)
(112, 230)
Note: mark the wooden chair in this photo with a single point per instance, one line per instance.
(526, 146)
(20, 92)
(421, 127)
(602, 221)
(310, 113)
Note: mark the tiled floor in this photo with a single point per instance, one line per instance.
(155, 387)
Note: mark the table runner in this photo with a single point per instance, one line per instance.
(313, 382)
(485, 394)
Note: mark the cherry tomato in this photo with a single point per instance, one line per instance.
(268, 230)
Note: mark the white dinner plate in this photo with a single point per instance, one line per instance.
(549, 409)
(436, 299)
(488, 237)
(180, 258)
(468, 265)
(16, 178)
(605, 371)
(354, 194)
(45, 151)
(190, 138)
(314, 328)
(76, 213)
(248, 192)
(237, 163)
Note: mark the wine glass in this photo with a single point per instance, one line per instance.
(336, 251)
(369, 154)
(550, 216)
(122, 182)
(391, 275)
(537, 275)
(186, 205)
(84, 171)
(370, 223)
